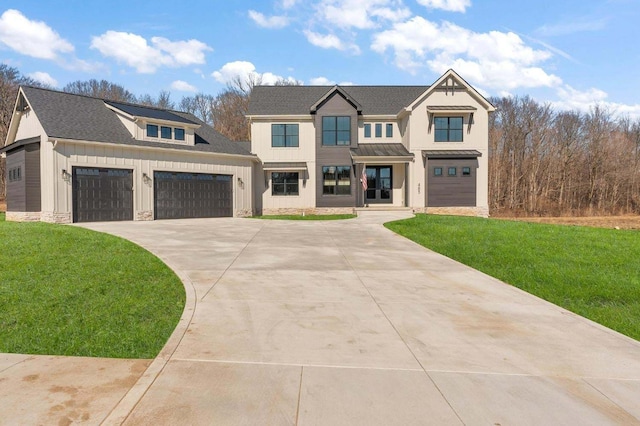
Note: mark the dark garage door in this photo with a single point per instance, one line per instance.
(102, 194)
(189, 195)
(451, 182)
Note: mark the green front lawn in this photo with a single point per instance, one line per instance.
(307, 217)
(70, 291)
(592, 272)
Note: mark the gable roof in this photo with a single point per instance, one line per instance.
(299, 100)
(84, 118)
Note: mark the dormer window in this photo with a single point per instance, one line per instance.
(152, 131)
(178, 134)
(165, 132)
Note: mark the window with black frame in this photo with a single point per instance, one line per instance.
(284, 183)
(336, 180)
(284, 135)
(336, 131)
(448, 129)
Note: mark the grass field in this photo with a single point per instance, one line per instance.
(71, 291)
(592, 272)
(307, 217)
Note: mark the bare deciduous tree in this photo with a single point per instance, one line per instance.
(100, 89)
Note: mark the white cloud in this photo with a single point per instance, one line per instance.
(288, 4)
(360, 14)
(448, 5)
(494, 59)
(44, 78)
(134, 51)
(578, 25)
(330, 41)
(246, 72)
(584, 101)
(183, 86)
(268, 22)
(321, 81)
(31, 38)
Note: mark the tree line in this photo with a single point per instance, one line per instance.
(548, 162)
(541, 161)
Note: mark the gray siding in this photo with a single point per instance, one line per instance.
(336, 105)
(32, 178)
(451, 191)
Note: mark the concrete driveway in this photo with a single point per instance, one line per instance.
(345, 322)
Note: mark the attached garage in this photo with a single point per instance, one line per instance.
(101, 194)
(192, 195)
(451, 177)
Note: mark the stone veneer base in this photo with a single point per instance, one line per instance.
(454, 211)
(22, 216)
(308, 211)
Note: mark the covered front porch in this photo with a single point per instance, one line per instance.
(382, 171)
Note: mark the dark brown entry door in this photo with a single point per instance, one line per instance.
(102, 194)
(379, 184)
(192, 195)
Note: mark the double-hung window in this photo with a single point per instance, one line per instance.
(284, 135)
(336, 131)
(448, 129)
(284, 183)
(367, 130)
(336, 180)
(378, 130)
(389, 132)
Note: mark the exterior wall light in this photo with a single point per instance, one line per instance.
(145, 178)
(65, 174)
(240, 182)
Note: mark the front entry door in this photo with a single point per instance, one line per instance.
(379, 184)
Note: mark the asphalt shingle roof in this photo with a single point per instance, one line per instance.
(77, 117)
(297, 100)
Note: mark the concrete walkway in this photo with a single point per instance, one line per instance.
(344, 322)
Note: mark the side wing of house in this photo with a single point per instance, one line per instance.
(447, 130)
(85, 159)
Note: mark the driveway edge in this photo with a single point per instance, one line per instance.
(126, 405)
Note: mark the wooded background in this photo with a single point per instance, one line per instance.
(542, 162)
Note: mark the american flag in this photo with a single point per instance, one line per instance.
(363, 179)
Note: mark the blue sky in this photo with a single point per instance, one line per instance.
(571, 53)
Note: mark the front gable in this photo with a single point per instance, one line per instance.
(24, 123)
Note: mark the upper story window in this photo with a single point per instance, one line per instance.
(336, 131)
(152, 131)
(378, 130)
(165, 132)
(284, 135)
(367, 130)
(389, 133)
(448, 129)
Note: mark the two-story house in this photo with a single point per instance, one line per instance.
(332, 149)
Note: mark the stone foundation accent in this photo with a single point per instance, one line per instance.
(23, 217)
(244, 213)
(309, 211)
(454, 211)
(56, 217)
(144, 215)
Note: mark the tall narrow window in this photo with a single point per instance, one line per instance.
(448, 129)
(336, 180)
(367, 130)
(336, 131)
(389, 130)
(378, 130)
(284, 135)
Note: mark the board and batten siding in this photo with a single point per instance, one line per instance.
(335, 105)
(475, 137)
(304, 152)
(145, 161)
